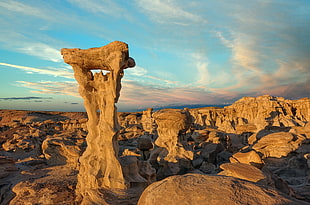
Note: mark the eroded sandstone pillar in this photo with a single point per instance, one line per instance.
(170, 153)
(99, 165)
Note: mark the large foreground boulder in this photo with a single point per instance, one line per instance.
(206, 189)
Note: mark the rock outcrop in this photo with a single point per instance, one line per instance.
(148, 121)
(243, 171)
(255, 113)
(278, 144)
(206, 189)
(170, 153)
(251, 158)
(99, 165)
(63, 150)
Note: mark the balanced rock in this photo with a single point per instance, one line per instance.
(170, 155)
(171, 123)
(148, 121)
(99, 165)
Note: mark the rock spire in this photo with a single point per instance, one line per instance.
(99, 164)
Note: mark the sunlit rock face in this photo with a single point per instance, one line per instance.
(99, 165)
(148, 121)
(243, 171)
(278, 144)
(252, 114)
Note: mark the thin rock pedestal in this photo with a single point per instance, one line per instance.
(99, 164)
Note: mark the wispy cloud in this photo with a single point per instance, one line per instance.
(41, 50)
(22, 25)
(267, 53)
(108, 7)
(186, 50)
(168, 12)
(16, 41)
(18, 7)
(61, 72)
(51, 87)
(141, 95)
(141, 75)
(160, 81)
(136, 71)
(201, 63)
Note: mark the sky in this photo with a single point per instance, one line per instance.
(186, 52)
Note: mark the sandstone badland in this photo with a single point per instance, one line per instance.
(255, 151)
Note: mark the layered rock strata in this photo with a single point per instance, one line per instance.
(251, 114)
(99, 165)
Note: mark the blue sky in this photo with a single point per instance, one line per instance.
(187, 52)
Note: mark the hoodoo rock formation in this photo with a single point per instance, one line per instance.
(147, 121)
(99, 165)
(171, 155)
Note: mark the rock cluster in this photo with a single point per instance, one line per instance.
(154, 145)
(254, 114)
(39, 158)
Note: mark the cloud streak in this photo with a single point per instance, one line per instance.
(51, 87)
(26, 98)
(108, 7)
(49, 71)
(15, 41)
(168, 12)
(142, 95)
(17, 7)
(186, 51)
(42, 51)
